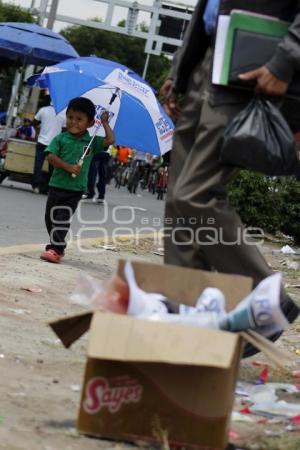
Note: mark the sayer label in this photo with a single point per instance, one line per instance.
(100, 394)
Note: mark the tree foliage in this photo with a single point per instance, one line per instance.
(271, 203)
(13, 13)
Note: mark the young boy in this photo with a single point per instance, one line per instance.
(69, 179)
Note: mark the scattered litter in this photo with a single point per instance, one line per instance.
(273, 432)
(259, 364)
(17, 394)
(112, 248)
(72, 432)
(238, 417)
(297, 351)
(242, 390)
(296, 420)
(286, 387)
(293, 265)
(233, 435)
(262, 393)
(263, 376)
(291, 427)
(19, 312)
(273, 408)
(288, 286)
(287, 250)
(246, 410)
(1, 355)
(158, 253)
(51, 342)
(33, 289)
(75, 387)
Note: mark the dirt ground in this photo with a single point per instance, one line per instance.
(40, 380)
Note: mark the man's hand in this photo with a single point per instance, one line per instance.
(169, 100)
(266, 82)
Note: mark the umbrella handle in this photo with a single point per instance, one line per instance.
(80, 162)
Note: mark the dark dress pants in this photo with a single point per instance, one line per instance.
(38, 164)
(99, 166)
(202, 228)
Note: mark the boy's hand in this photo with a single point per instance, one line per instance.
(75, 169)
(104, 116)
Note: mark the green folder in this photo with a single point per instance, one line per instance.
(251, 22)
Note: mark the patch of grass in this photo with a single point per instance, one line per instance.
(293, 274)
(286, 442)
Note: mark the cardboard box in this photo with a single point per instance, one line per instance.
(20, 156)
(145, 380)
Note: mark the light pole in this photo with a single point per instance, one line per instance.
(35, 92)
(52, 14)
(42, 11)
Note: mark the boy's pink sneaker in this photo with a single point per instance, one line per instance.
(51, 256)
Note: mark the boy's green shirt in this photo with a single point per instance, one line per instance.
(70, 148)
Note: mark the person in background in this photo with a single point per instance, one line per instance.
(134, 176)
(113, 151)
(69, 179)
(26, 131)
(123, 154)
(162, 182)
(49, 125)
(98, 168)
(119, 174)
(198, 182)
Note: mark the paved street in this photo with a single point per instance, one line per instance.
(22, 215)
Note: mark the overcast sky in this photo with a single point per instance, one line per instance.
(85, 9)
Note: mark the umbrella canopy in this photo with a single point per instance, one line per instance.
(136, 116)
(33, 44)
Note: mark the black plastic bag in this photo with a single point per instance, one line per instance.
(260, 139)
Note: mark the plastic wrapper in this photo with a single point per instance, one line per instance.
(260, 310)
(111, 295)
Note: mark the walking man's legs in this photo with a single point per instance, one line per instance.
(185, 132)
(202, 229)
(92, 178)
(102, 174)
(38, 165)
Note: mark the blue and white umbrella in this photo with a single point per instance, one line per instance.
(136, 116)
(33, 44)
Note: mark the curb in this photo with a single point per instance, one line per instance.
(88, 242)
